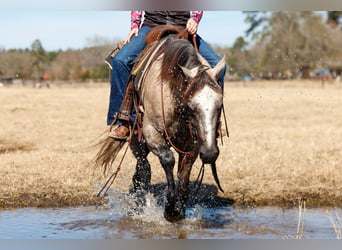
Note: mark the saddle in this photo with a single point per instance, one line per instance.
(160, 31)
(155, 34)
(152, 38)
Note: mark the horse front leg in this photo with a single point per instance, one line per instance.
(185, 164)
(172, 212)
(158, 146)
(142, 176)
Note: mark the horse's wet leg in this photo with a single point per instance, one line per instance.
(142, 176)
(141, 182)
(184, 170)
(171, 212)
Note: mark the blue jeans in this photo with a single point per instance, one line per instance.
(123, 62)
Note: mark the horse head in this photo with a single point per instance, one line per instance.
(205, 102)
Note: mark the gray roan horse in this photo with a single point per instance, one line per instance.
(180, 102)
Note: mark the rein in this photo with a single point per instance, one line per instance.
(188, 153)
(195, 43)
(112, 178)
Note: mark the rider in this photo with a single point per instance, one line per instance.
(122, 62)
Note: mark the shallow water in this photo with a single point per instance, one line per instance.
(120, 221)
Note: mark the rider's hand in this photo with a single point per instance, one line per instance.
(192, 26)
(131, 33)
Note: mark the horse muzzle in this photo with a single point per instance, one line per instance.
(209, 156)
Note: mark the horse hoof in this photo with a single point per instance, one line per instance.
(173, 215)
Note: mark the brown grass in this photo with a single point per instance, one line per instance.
(285, 145)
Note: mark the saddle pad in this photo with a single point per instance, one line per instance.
(139, 68)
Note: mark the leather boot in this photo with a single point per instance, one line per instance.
(121, 132)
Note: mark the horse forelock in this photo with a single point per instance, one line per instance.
(177, 52)
(197, 84)
(180, 52)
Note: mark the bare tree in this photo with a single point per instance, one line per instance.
(293, 41)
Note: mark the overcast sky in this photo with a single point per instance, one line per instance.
(73, 29)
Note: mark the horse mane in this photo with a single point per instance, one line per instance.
(179, 52)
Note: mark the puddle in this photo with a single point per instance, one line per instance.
(120, 221)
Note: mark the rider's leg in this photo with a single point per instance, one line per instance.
(123, 116)
(208, 53)
(122, 64)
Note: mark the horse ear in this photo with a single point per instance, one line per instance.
(202, 60)
(191, 73)
(218, 68)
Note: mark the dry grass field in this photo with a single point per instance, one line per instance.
(285, 144)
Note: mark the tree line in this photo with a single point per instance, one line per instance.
(280, 44)
(35, 63)
(287, 45)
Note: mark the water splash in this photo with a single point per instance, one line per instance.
(141, 206)
(152, 211)
(148, 208)
(195, 213)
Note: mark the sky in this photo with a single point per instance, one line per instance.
(75, 29)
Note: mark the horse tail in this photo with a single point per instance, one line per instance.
(107, 154)
(214, 172)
